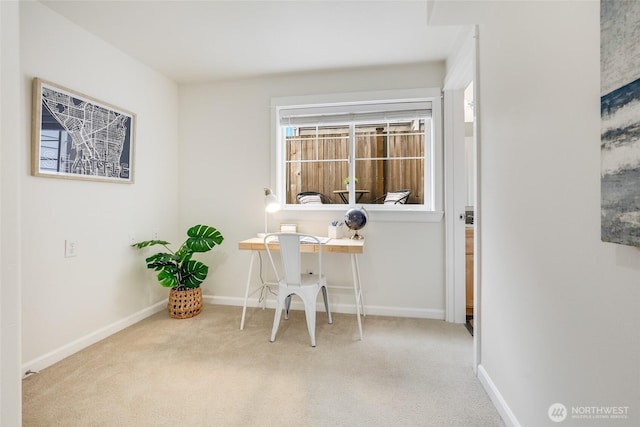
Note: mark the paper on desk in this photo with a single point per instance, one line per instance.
(322, 240)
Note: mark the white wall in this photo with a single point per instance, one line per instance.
(10, 141)
(559, 310)
(69, 302)
(225, 162)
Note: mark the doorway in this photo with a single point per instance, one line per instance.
(462, 198)
(470, 205)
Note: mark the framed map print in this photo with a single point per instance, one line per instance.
(76, 136)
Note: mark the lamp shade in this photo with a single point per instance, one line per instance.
(271, 203)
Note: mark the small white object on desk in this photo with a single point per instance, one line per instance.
(335, 230)
(288, 228)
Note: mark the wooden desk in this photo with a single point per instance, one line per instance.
(344, 195)
(340, 246)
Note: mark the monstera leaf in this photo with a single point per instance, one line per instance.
(203, 238)
(193, 273)
(168, 277)
(150, 243)
(162, 260)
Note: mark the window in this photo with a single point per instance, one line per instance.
(379, 153)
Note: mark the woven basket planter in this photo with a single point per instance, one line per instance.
(185, 304)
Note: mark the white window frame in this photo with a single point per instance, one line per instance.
(430, 211)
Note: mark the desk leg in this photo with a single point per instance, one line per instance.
(246, 291)
(357, 289)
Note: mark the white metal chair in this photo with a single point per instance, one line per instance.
(306, 286)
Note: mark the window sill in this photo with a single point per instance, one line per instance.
(378, 213)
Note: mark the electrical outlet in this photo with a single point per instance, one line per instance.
(70, 248)
(132, 239)
(154, 234)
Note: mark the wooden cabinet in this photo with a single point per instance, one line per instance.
(469, 270)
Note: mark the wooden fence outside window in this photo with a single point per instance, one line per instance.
(387, 159)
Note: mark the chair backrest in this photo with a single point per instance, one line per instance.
(398, 197)
(290, 255)
(312, 198)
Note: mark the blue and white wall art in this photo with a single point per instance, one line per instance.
(620, 119)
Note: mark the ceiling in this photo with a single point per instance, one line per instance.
(209, 40)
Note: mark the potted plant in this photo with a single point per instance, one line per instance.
(178, 271)
(346, 182)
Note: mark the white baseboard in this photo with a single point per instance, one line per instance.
(67, 350)
(496, 397)
(421, 313)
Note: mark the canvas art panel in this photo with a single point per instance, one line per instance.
(78, 137)
(620, 121)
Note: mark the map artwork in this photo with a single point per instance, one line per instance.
(82, 138)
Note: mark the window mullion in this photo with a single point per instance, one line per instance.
(317, 142)
(352, 163)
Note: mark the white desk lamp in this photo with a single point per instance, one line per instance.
(271, 204)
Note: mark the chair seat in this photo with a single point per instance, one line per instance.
(307, 280)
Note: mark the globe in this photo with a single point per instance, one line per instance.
(355, 219)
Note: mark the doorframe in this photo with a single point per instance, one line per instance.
(463, 69)
(454, 204)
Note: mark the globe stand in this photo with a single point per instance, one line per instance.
(356, 236)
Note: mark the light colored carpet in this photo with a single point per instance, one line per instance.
(204, 371)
